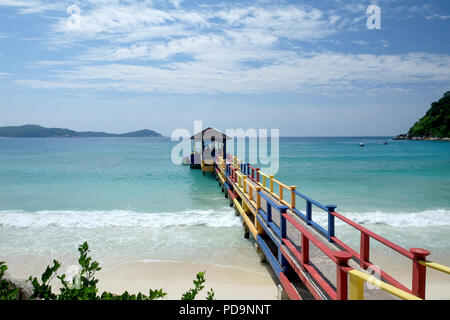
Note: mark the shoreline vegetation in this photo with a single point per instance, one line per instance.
(434, 126)
(36, 131)
(81, 286)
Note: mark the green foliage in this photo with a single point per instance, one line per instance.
(43, 290)
(84, 285)
(198, 286)
(152, 295)
(7, 290)
(210, 295)
(436, 122)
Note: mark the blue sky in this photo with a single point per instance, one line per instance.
(309, 68)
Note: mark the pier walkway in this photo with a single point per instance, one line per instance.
(309, 260)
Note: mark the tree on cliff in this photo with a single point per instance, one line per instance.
(436, 122)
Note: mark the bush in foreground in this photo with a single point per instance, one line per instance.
(84, 285)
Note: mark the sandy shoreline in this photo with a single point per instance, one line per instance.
(175, 278)
(253, 282)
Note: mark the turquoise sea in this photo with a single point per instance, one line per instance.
(130, 202)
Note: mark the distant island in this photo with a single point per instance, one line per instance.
(35, 131)
(435, 125)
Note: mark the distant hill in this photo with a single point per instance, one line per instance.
(435, 125)
(35, 131)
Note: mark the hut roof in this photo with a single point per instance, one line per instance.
(210, 132)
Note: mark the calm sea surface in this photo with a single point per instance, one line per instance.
(126, 198)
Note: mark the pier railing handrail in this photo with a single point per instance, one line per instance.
(317, 204)
(272, 203)
(435, 266)
(375, 236)
(357, 278)
(417, 255)
(281, 233)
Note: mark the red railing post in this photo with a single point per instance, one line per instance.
(305, 249)
(342, 258)
(364, 250)
(257, 174)
(419, 272)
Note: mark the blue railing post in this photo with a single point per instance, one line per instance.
(330, 208)
(308, 212)
(269, 212)
(283, 222)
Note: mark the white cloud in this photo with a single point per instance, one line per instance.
(17, 3)
(5, 74)
(139, 47)
(305, 73)
(437, 16)
(32, 6)
(361, 42)
(137, 22)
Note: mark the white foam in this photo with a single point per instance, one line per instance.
(117, 218)
(427, 218)
(211, 218)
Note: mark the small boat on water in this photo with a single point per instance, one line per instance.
(362, 144)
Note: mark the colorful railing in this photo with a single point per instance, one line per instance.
(248, 183)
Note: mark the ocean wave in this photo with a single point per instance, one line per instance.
(117, 218)
(211, 218)
(427, 218)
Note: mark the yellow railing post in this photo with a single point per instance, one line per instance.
(258, 198)
(356, 288)
(292, 188)
(271, 183)
(244, 183)
(281, 191)
(250, 191)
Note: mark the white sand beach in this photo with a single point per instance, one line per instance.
(175, 278)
